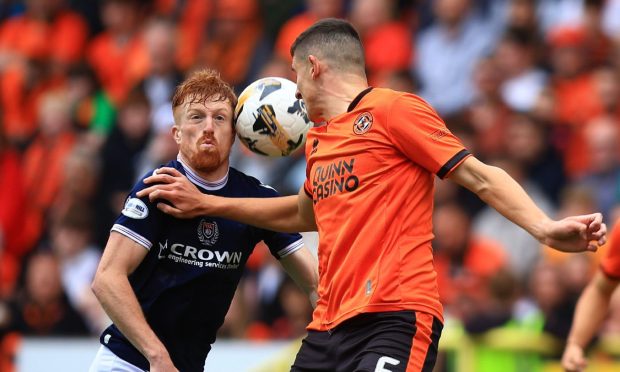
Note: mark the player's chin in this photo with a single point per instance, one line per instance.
(207, 160)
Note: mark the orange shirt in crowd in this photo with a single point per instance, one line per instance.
(610, 264)
(483, 258)
(12, 203)
(577, 103)
(370, 173)
(396, 38)
(289, 32)
(118, 67)
(22, 38)
(63, 39)
(43, 166)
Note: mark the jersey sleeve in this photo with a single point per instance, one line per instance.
(280, 244)
(140, 220)
(419, 133)
(610, 264)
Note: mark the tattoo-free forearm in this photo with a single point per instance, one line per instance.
(277, 214)
(591, 311)
(120, 303)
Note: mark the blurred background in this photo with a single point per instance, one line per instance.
(85, 88)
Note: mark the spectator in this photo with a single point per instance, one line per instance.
(92, 108)
(116, 54)
(527, 143)
(42, 309)
(603, 177)
(552, 298)
(488, 113)
(380, 31)
(78, 260)
(598, 43)
(43, 164)
(516, 59)
(121, 156)
(315, 10)
(162, 75)
(573, 84)
(12, 204)
(464, 262)
(447, 54)
(232, 43)
(36, 49)
(80, 181)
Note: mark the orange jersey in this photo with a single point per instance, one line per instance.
(370, 173)
(611, 262)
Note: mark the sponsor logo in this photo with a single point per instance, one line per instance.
(135, 208)
(200, 257)
(208, 232)
(439, 134)
(335, 178)
(363, 123)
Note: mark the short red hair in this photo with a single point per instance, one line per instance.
(203, 85)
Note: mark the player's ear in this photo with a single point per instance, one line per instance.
(176, 134)
(315, 66)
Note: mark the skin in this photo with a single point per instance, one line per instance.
(203, 131)
(328, 91)
(588, 318)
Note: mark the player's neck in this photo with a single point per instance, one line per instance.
(214, 176)
(339, 93)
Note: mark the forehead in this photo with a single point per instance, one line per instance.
(209, 104)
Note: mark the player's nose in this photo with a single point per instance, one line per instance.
(298, 94)
(208, 127)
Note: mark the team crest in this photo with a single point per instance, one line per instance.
(208, 232)
(363, 123)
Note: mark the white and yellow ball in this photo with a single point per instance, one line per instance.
(269, 120)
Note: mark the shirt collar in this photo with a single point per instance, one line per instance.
(358, 98)
(199, 181)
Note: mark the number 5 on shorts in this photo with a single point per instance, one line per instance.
(383, 361)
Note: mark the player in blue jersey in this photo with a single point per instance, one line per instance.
(167, 283)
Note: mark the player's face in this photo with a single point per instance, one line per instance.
(204, 134)
(305, 86)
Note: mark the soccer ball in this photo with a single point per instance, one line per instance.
(269, 120)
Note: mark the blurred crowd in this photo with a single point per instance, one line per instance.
(85, 87)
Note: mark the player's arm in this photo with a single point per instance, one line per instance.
(111, 286)
(302, 266)
(282, 214)
(589, 315)
(495, 187)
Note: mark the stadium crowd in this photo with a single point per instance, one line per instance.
(85, 88)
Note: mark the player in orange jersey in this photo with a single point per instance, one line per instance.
(592, 305)
(369, 192)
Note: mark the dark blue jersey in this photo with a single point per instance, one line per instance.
(188, 278)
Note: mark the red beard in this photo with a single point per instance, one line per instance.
(204, 160)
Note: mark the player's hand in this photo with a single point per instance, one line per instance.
(576, 233)
(573, 359)
(162, 364)
(172, 186)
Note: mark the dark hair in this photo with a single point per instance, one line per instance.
(332, 39)
(520, 36)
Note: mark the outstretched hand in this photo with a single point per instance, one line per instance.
(172, 186)
(573, 359)
(576, 233)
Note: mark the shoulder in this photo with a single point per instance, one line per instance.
(171, 164)
(398, 102)
(252, 185)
